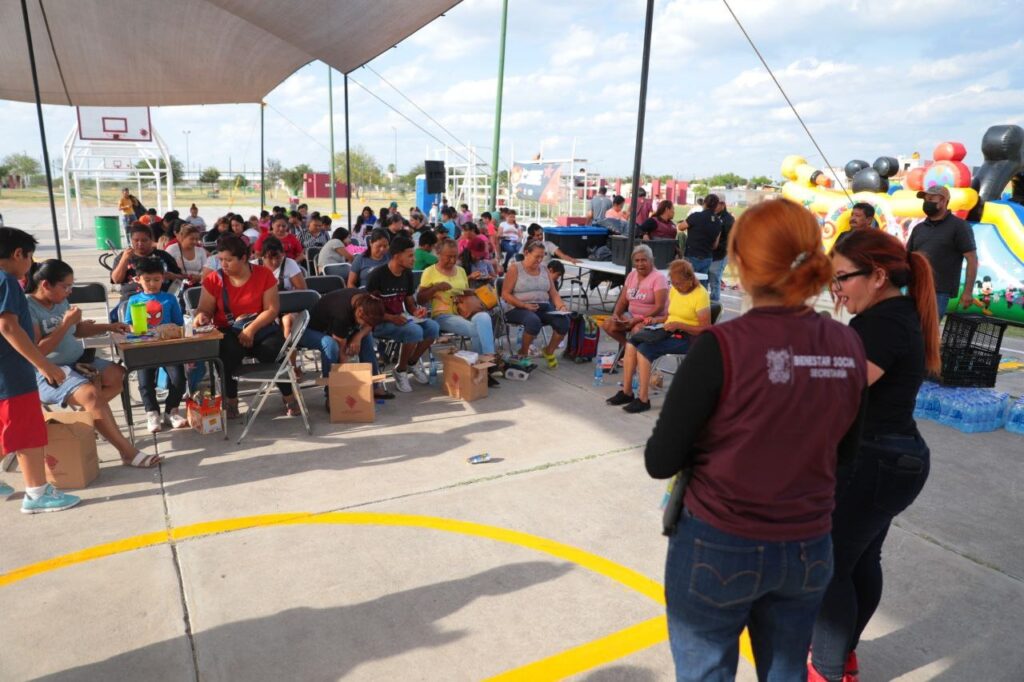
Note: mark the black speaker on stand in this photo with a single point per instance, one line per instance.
(434, 171)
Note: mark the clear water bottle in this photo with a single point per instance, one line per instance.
(433, 372)
(636, 383)
(1015, 421)
(598, 374)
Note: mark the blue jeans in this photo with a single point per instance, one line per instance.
(717, 583)
(176, 385)
(410, 332)
(330, 353)
(890, 472)
(533, 321)
(943, 302)
(479, 330)
(671, 345)
(509, 248)
(701, 265)
(715, 279)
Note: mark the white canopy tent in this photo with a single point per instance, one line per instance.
(182, 52)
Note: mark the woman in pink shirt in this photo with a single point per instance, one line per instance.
(643, 296)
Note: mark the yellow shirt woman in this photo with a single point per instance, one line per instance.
(442, 303)
(683, 307)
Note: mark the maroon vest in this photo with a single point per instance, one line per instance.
(792, 384)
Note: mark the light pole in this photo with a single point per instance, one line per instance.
(188, 158)
(394, 176)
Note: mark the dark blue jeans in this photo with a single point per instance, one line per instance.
(888, 474)
(700, 265)
(943, 302)
(176, 386)
(717, 583)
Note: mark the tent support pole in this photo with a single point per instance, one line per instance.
(348, 161)
(641, 113)
(263, 184)
(493, 204)
(42, 127)
(330, 114)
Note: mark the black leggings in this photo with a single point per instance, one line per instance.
(232, 352)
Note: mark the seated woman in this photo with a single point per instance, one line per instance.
(531, 300)
(441, 286)
(660, 225)
(192, 259)
(535, 233)
(425, 256)
(335, 250)
(241, 300)
(643, 297)
(476, 260)
(58, 326)
(689, 314)
(375, 256)
(220, 228)
(142, 248)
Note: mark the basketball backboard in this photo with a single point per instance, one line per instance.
(115, 124)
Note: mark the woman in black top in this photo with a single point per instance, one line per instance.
(901, 342)
(703, 235)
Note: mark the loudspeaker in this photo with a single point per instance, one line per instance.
(434, 171)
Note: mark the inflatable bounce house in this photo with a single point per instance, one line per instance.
(991, 199)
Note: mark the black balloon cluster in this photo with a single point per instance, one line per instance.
(865, 177)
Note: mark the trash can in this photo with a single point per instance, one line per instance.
(108, 228)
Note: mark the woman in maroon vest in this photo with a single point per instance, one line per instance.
(761, 412)
(901, 342)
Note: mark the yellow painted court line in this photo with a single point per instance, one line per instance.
(570, 662)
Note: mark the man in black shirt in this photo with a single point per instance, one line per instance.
(719, 253)
(340, 325)
(404, 321)
(946, 241)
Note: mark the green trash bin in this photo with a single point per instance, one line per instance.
(108, 227)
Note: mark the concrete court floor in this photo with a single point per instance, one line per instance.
(385, 600)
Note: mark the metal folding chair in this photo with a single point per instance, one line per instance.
(191, 297)
(269, 374)
(340, 269)
(325, 284)
(312, 255)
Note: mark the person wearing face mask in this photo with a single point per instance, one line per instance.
(946, 241)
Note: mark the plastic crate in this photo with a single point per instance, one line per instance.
(619, 246)
(967, 366)
(577, 241)
(973, 331)
(664, 250)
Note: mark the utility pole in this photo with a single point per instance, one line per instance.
(640, 115)
(497, 108)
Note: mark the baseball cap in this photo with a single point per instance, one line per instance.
(394, 204)
(478, 246)
(934, 190)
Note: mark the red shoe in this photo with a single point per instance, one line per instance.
(852, 669)
(848, 676)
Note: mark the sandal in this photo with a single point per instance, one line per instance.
(552, 360)
(291, 407)
(142, 461)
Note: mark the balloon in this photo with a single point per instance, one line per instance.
(855, 167)
(1001, 146)
(915, 178)
(949, 151)
(886, 166)
(867, 180)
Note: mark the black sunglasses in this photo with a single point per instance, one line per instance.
(838, 280)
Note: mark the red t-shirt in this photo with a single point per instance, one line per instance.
(292, 245)
(244, 300)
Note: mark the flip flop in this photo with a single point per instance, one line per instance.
(143, 461)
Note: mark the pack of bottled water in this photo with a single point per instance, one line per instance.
(1015, 420)
(971, 410)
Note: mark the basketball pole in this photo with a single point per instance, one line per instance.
(639, 151)
(42, 127)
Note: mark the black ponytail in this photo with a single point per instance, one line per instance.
(51, 271)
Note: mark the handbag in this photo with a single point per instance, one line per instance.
(237, 324)
(649, 336)
(469, 304)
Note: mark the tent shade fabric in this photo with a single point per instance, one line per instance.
(181, 52)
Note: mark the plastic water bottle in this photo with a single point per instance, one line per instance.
(636, 383)
(598, 374)
(1015, 421)
(433, 372)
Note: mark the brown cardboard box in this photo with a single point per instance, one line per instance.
(70, 456)
(351, 392)
(463, 380)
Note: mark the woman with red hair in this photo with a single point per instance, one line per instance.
(901, 341)
(762, 410)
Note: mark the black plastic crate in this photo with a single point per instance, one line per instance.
(966, 366)
(664, 250)
(620, 249)
(973, 331)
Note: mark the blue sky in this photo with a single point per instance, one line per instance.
(870, 78)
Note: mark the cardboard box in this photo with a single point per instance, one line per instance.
(205, 415)
(464, 380)
(70, 456)
(350, 387)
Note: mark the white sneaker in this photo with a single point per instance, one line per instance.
(154, 423)
(402, 382)
(420, 374)
(175, 419)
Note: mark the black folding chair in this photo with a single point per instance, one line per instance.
(269, 374)
(191, 297)
(339, 269)
(325, 284)
(312, 255)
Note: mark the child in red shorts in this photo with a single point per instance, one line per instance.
(22, 429)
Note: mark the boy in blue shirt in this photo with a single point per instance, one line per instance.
(22, 429)
(161, 308)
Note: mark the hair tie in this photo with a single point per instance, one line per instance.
(799, 260)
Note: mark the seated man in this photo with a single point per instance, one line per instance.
(404, 321)
(341, 325)
(143, 248)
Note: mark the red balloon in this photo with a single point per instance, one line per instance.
(915, 178)
(950, 151)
